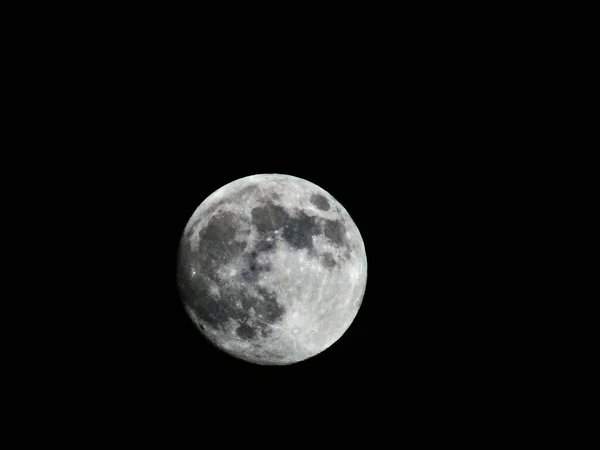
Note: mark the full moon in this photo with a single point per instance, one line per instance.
(271, 269)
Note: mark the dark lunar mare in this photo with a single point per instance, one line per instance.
(269, 217)
(298, 230)
(335, 231)
(320, 202)
(208, 212)
(246, 331)
(216, 248)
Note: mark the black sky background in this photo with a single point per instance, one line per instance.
(416, 185)
(428, 126)
(422, 334)
(412, 143)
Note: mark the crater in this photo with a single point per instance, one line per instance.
(320, 202)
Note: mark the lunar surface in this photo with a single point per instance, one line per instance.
(271, 269)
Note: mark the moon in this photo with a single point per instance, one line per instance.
(271, 269)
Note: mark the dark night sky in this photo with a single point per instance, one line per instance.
(423, 196)
(415, 130)
(418, 334)
(405, 159)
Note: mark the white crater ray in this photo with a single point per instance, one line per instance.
(271, 269)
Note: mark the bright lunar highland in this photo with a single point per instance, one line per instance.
(271, 269)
